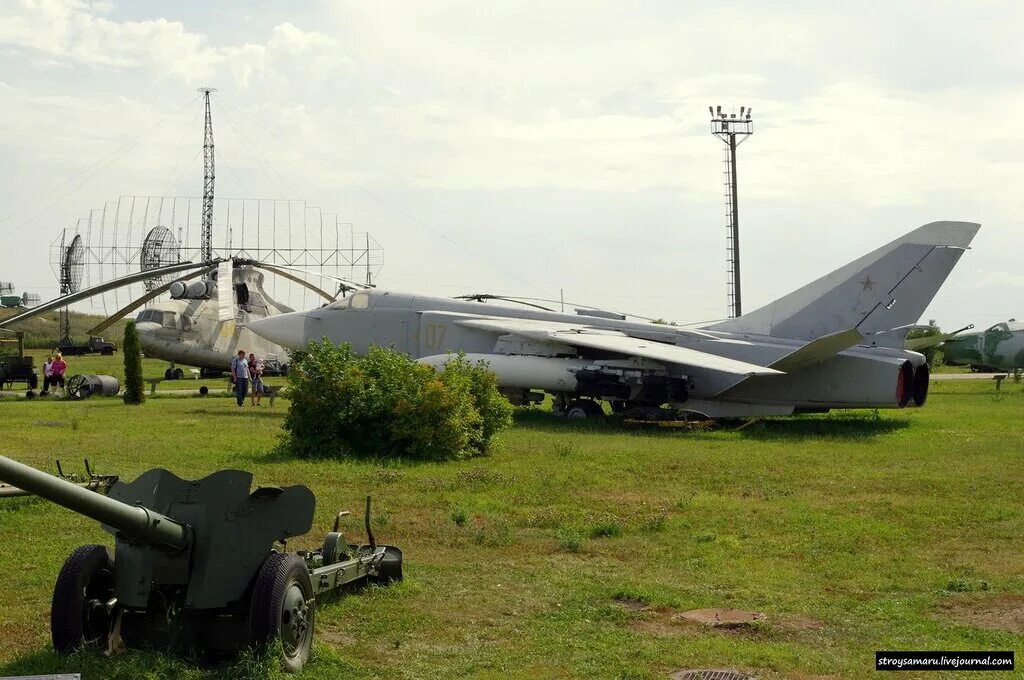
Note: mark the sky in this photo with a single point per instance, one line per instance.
(529, 148)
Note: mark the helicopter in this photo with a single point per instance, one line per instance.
(204, 323)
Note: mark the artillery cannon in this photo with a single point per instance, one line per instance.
(195, 567)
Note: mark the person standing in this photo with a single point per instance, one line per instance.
(46, 375)
(240, 373)
(57, 370)
(256, 374)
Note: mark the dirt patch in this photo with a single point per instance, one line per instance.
(657, 626)
(335, 637)
(632, 604)
(721, 618)
(665, 622)
(795, 623)
(995, 612)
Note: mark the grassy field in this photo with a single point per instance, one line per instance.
(568, 552)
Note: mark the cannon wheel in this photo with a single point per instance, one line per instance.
(78, 387)
(78, 615)
(283, 608)
(390, 568)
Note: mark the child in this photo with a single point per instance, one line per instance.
(256, 372)
(46, 375)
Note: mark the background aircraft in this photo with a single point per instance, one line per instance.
(999, 348)
(203, 325)
(835, 343)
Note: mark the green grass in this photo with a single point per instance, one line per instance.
(852, 532)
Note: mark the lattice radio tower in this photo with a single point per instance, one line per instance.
(209, 174)
(733, 130)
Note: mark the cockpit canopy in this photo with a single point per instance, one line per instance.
(1011, 325)
(359, 300)
(165, 319)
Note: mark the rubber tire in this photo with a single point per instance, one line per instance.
(80, 570)
(178, 374)
(390, 566)
(168, 375)
(582, 409)
(276, 575)
(107, 352)
(283, 371)
(33, 381)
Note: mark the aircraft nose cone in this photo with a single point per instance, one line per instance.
(287, 330)
(147, 332)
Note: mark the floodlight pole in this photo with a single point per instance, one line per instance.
(733, 131)
(209, 174)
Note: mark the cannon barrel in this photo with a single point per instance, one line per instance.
(133, 521)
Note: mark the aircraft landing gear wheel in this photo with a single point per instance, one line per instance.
(178, 374)
(78, 614)
(168, 374)
(581, 409)
(283, 608)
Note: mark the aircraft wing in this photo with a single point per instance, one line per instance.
(615, 341)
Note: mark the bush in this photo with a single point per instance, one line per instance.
(132, 351)
(384, 405)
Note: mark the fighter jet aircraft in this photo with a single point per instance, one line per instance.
(203, 324)
(999, 348)
(835, 343)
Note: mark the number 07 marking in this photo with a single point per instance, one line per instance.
(433, 335)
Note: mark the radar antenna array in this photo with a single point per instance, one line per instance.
(159, 249)
(71, 267)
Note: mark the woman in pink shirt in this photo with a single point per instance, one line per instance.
(57, 369)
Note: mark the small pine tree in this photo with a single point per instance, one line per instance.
(132, 351)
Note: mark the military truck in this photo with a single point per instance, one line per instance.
(94, 346)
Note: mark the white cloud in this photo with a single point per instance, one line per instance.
(73, 31)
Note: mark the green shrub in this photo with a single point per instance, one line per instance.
(132, 352)
(383, 404)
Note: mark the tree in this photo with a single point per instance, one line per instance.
(132, 352)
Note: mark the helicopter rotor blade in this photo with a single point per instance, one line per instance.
(348, 284)
(281, 271)
(98, 289)
(225, 291)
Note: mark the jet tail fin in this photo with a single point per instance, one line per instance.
(885, 289)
